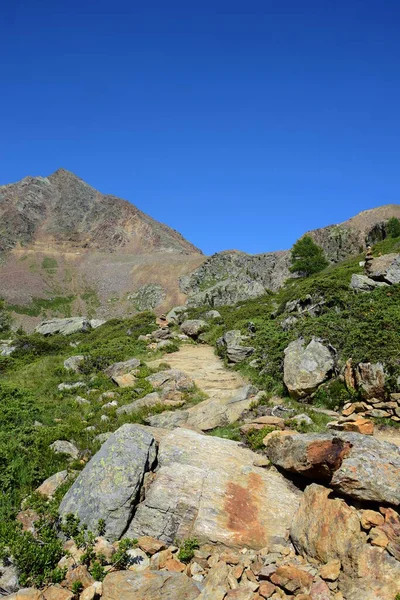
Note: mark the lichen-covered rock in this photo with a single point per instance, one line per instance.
(209, 488)
(362, 283)
(64, 447)
(64, 326)
(177, 315)
(306, 367)
(231, 344)
(356, 465)
(151, 585)
(108, 486)
(170, 381)
(147, 401)
(370, 380)
(194, 327)
(122, 368)
(73, 362)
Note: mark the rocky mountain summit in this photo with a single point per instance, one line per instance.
(66, 249)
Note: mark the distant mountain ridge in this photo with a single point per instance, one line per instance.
(67, 249)
(62, 208)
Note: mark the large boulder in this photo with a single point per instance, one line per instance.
(370, 380)
(386, 268)
(64, 326)
(327, 529)
(355, 465)
(171, 380)
(109, 485)
(209, 488)
(151, 585)
(231, 344)
(194, 327)
(147, 401)
(306, 367)
(362, 283)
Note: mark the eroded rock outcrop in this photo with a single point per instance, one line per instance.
(210, 488)
(64, 326)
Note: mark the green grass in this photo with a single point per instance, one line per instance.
(60, 305)
(49, 263)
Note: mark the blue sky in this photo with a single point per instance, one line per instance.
(240, 124)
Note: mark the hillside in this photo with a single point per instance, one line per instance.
(65, 248)
(247, 453)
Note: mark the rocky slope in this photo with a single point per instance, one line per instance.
(65, 248)
(231, 277)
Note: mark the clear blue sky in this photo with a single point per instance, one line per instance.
(239, 123)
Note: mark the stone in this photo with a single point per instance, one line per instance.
(174, 565)
(109, 485)
(27, 594)
(138, 560)
(66, 387)
(123, 373)
(208, 488)
(56, 592)
(150, 544)
(150, 585)
(231, 344)
(356, 465)
(64, 447)
(194, 327)
(360, 425)
(386, 268)
(81, 401)
(331, 570)
(6, 348)
(92, 592)
(211, 315)
(266, 589)
(28, 518)
(8, 578)
(147, 401)
(177, 315)
(362, 283)
(392, 531)
(95, 323)
(378, 537)
(371, 518)
(302, 418)
(305, 368)
(370, 380)
(325, 529)
(292, 579)
(73, 363)
(104, 547)
(79, 573)
(49, 487)
(171, 380)
(64, 326)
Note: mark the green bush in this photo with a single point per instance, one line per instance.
(186, 550)
(255, 437)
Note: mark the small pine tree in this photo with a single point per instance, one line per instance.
(307, 257)
(393, 227)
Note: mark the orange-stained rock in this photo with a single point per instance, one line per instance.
(378, 537)
(55, 592)
(150, 585)
(331, 570)
(292, 579)
(371, 518)
(266, 589)
(150, 544)
(174, 565)
(28, 518)
(80, 573)
(27, 594)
